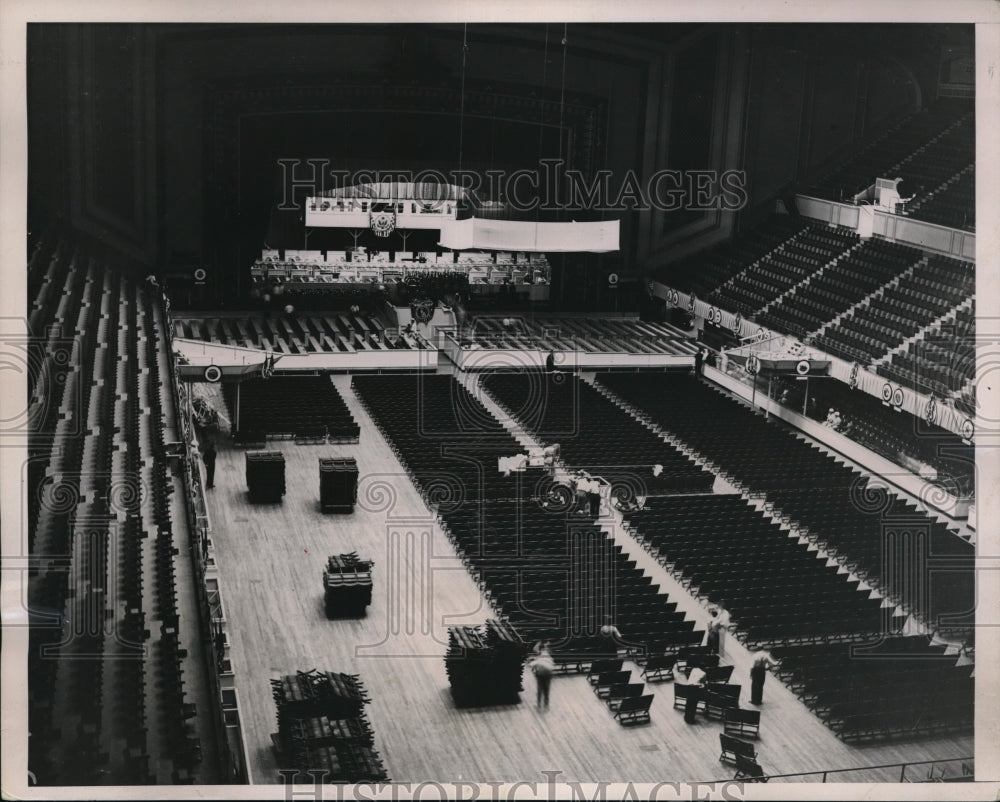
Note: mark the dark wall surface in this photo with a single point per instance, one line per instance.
(167, 139)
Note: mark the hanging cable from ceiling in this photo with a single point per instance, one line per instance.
(541, 94)
(461, 111)
(541, 123)
(562, 90)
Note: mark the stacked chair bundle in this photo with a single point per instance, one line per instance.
(485, 664)
(322, 727)
(347, 585)
(338, 484)
(265, 475)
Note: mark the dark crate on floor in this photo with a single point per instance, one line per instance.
(347, 586)
(322, 727)
(265, 471)
(338, 484)
(485, 664)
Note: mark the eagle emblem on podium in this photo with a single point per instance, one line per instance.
(383, 223)
(422, 310)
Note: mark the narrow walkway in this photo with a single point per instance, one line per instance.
(194, 665)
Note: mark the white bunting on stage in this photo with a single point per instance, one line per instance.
(516, 235)
(516, 463)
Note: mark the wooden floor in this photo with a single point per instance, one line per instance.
(271, 558)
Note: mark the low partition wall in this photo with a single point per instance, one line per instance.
(930, 494)
(476, 357)
(898, 228)
(199, 356)
(471, 359)
(415, 359)
(588, 360)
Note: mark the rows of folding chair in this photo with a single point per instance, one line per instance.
(57, 451)
(596, 435)
(772, 585)
(504, 542)
(793, 475)
(897, 686)
(77, 480)
(305, 407)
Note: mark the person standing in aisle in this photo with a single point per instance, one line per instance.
(724, 622)
(762, 661)
(696, 687)
(543, 666)
(580, 485)
(713, 630)
(610, 638)
(594, 497)
(208, 455)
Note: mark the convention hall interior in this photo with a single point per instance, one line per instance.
(491, 402)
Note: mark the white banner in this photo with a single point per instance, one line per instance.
(524, 237)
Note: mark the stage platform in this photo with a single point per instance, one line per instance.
(270, 560)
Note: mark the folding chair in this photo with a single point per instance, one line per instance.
(734, 747)
(747, 768)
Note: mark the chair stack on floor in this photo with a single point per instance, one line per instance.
(265, 474)
(347, 586)
(485, 664)
(322, 727)
(338, 484)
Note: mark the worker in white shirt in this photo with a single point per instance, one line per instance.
(696, 684)
(543, 667)
(581, 484)
(723, 622)
(762, 661)
(713, 630)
